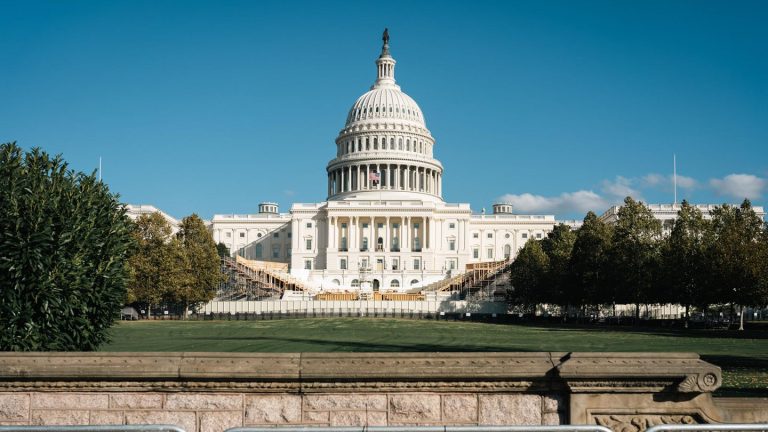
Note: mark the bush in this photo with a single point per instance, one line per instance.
(64, 239)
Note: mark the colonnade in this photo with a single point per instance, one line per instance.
(390, 177)
(380, 233)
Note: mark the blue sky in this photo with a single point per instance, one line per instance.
(559, 107)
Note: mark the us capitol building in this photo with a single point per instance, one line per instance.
(384, 224)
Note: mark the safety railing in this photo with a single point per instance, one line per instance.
(714, 427)
(564, 428)
(107, 428)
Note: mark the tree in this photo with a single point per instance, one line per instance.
(202, 261)
(558, 246)
(588, 265)
(64, 239)
(223, 250)
(634, 253)
(527, 274)
(734, 255)
(684, 267)
(157, 265)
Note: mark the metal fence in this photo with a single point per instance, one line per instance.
(744, 427)
(110, 428)
(564, 428)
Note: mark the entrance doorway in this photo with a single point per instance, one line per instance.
(375, 285)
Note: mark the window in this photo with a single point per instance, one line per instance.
(538, 235)
(476, 253)
(414, 282)
(490, 235)
(355, 283)
(451, 225)
(395, 263)
(380, 225)
(394, 284)
(309, 224)
(257, 251)
(289, 235)
(451, 264)
(308, 243)
(364, 263)
(229, 235)
(308, 264)
(275, 251)
(259, 235)
(452, 244)
(365, 226)
(417, 263)
(365, 244)
(506, 235)
(343, 264)
(336, 282)
(525, 235)
(276, 235)
(242, 235)
(490, 253)
(475, 235)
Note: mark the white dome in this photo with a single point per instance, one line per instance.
(385, 103)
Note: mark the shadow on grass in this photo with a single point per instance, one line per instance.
(656, 331)
(355, 346)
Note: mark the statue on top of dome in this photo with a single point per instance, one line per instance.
(385, 36)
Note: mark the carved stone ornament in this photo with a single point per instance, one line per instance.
(641, 422)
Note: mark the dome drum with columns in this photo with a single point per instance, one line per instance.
(384, 225)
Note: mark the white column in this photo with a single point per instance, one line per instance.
(359, 184)
(387, 234)
(352, 240)
(342, 179)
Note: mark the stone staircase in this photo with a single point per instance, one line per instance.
(249, 280)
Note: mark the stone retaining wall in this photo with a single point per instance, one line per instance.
(212, 392)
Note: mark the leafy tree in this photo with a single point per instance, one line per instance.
(589, 261)
(223, 250)
(202, 263)
(634, 254)
(64, 239)
(684, 266)
(558, 282)
(157, 265)
(527, 274)
(734, 254)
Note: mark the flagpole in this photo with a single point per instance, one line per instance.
(674, 174)
(99, 168)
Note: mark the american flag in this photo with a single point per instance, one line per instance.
(374, 176)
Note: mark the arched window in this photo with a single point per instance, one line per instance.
(355, 283)
(336, 282)
(391, 143)
(408, 145)
(394, 284)
(399, 143)
(414, 282)
(375, 144)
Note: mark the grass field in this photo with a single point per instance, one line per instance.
(743, 357)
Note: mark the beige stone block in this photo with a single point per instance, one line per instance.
(106, 418)
(59, 417)
(405, 408)
(460, 408)
(135, 400)
(348, 418)
(273, 409)
(551, 419)
(345, 402)
(219, 421)
(552, 403)
(61, 401)
(185, 419)
(514, 409)
(14, 406)
(377, 418)
(316, 417)
(204, 401)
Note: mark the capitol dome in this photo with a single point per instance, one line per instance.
(385, 145)
(383, 104)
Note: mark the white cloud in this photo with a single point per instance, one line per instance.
(621, 188)
(666, 182)
(568, 202)
(739, 186)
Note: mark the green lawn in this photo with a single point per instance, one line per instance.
(743, 357)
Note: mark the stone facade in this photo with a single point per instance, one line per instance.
(212, 392)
